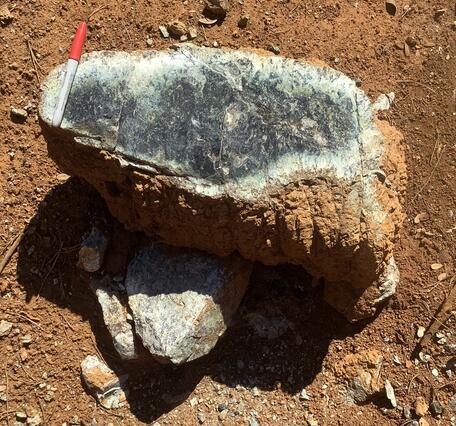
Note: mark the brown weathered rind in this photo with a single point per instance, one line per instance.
(316, 223)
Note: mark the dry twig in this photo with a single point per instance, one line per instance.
(430, 175)
(35, 63)
(41, 407)
(66, 322)
(418, 83)
(11, 250)
(441, 316)
(6, 393)
(96, 11)
(25, 371)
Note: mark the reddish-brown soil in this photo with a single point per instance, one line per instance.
(46, 296)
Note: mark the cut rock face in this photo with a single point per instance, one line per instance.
(280, 160)
(182, 300)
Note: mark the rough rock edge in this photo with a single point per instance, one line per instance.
(115, 318)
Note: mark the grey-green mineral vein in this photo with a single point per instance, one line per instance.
(235, 121)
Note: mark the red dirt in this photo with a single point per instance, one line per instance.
(359, 38)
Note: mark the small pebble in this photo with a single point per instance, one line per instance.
(149, 42)
(18, 114)
(442, 277)
(424, 357)
(436, 408)
(27, 340)
(389, 390)
(177, 28)
(163, 31)
(243, 21)
(304, 395)
(439, 13)
(5, 328)
(217, 7)
(420, 332)
(421, 406)
(407, 412)
(253, 422)
(274, 49)
(21, 416)
(201, 418)
(397, 360)
(5, 15)
(23, 355)
(192, 33)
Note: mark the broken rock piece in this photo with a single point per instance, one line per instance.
(5, 328)
(360, 372)
(182, 300)
(103, 383)
(220, 150)
(92, 251)
(115, 318)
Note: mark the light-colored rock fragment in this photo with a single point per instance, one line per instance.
(34, 417)
(103, 383)
(384, 102)
(19, 114)
(163, 31)
(389, 390)
(182, 300)
(196, 147)
(115, 317)
(92, 251)
(5, 328)
(420, 331)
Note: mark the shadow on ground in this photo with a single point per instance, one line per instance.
(279, 337)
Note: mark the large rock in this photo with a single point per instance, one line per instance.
(182, 300)
(280, 160)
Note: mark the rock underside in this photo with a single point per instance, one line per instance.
(224, 151)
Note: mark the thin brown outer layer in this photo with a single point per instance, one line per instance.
(314, 222)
